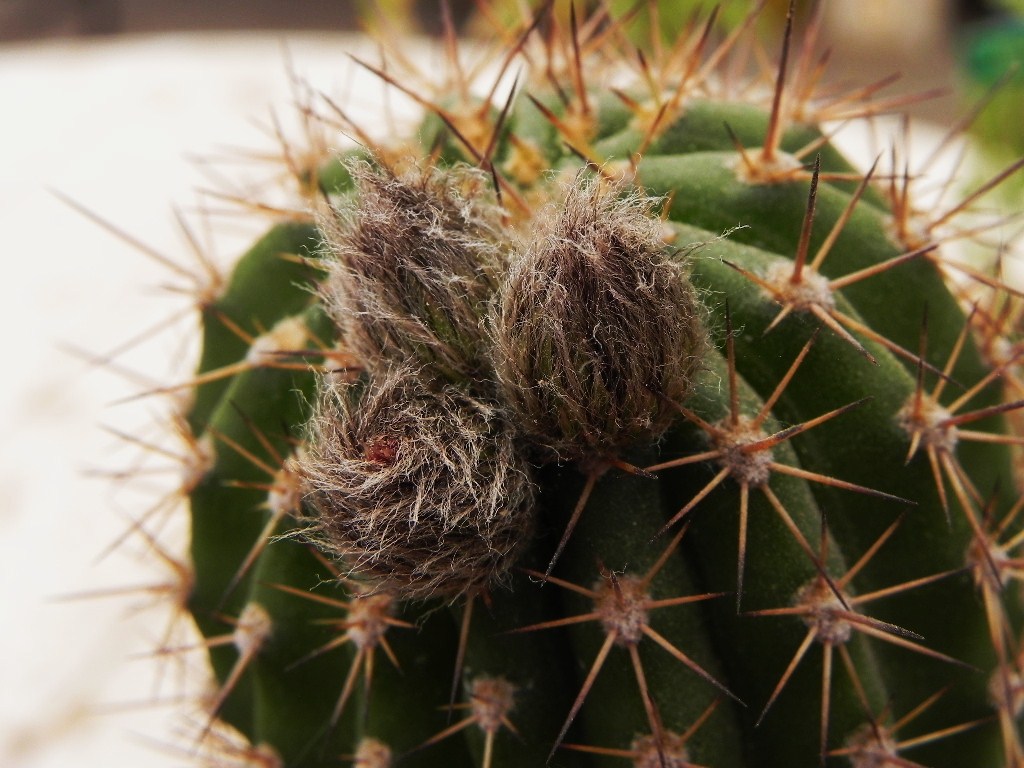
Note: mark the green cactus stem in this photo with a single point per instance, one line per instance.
(618, 421)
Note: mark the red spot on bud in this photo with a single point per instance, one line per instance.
(382, 450)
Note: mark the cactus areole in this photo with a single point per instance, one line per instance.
(612, 420)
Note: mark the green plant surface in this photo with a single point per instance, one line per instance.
(616, 421)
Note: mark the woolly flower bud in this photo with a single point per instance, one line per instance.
(420, 491)
(413, 265)
(596, 328)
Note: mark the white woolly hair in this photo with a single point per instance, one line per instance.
(596, 327)
(413, 262)
(420, 491)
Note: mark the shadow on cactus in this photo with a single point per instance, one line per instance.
(615, 420)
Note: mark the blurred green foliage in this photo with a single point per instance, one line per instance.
(991, 60)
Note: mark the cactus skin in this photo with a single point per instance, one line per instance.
(683, 627)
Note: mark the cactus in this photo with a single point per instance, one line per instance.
(620, 421)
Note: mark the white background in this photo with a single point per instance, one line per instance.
(114, 126)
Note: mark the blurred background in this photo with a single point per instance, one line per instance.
(928, 41)
(32, 19)
(132, 108)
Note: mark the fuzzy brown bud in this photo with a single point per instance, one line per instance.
(420, 491)
(596, 328)
(413, 260)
